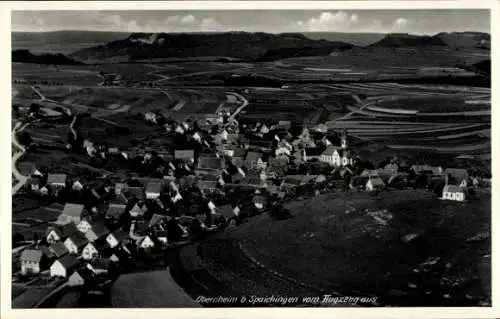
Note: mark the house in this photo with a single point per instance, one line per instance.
(45, 190)
(99, 266)
(184, 155)
(206, 186)
(162, 236)
(454, 192)
(255, 160)
(34, 184)
(138, 210)
(63, 266)
(116, 238)
(57, 181)
(336, 156)
(91, 250)
(75, 243)
(80, 278)
(145, 243)
(259, 202)
(72, 213)
(209, 165)
(77, 186)
(58, 250)
(97, 231)
(374, 183)
(134, 192)
(285, 125)
(31, 261)
(457, 176)
(283, 148)
(153, 190)
(55, 234)
(157, 221)
(119, 187)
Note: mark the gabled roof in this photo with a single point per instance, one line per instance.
(330, 150)
(183, 154)
(97, 231)
(452, 189)
(153, 187)
(313, 151)
(226, 211)
(211, 162)
(100, 263)
(204, 184)
(119, 235)
(137, 192)
(155, 219)
(67, 230)
(73, 210)
(376, 181)
(115, 211)
(35, 180)
(56, 178)
(58, 249)
(78, 239)
(239, 152)
(31, 255)
(68, 261)
(457, 173)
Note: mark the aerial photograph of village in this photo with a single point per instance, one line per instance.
(280, 158)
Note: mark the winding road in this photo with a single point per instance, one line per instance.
(21, 179)
(239, 109)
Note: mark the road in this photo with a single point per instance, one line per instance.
(21, 179)
(239, 109)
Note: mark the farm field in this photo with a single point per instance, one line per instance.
(35, 74)
(349, 243)
(151, 289)
(30, 297)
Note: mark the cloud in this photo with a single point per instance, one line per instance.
(400, 23)
(328, 21)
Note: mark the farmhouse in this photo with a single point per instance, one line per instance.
(145, 243)
(374, 183)
(72, 213)
(184, 155)
(453, 192)
(57, 180)
(31, 261)
(97, 231)
(63, 266)
(457, 176)
(138, 210)
(153, 190)
(255, 160)
(58, 249)
(116, 238)
(75, 243)
(91, 250)
(80, 277)
(55, 234)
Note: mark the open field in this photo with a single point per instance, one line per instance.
(151, 289)
(351, 243)
(35, 74)
(30, 297)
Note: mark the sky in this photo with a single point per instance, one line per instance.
(273, 21)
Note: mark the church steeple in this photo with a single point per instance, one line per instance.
(343, 139)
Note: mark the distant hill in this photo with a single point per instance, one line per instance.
(399, 40)
(241, 45)
(64, 42)
(462, 40)
(358, 39)
(320, 50)
(484, 66)
(25, 56)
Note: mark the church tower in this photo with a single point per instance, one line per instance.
(343, 139)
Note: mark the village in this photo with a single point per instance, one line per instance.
(218, 174)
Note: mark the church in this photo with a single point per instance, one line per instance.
(338, 155)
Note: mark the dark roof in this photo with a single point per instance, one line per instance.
(313, 151)
(97, 231)
(226, 211)
(457, 173)
(211, 162)
(359, 180)
(100, 263)
(58, 249)
(239, 152)
(79, 239)
(73, 210)
(331, 149)
(154, 187)
(68, 229)
(68, 261)
(56, 178)
(137, 192)
(260, 143)
(155, 219)
(36, 180)
(115, 211)
(119, 235)
(183, 154)
(204, 184)
(376, 181)
(32, 255)
(452, 189)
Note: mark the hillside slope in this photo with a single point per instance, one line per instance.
(25, 56)
(242, 45)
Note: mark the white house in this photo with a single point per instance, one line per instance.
(77, 186)
(374, 183)
(84, 226)
(75, 243)
(153, 190)
(115, 238)
(145, 242)
(62, 266)
(453, 192)
(90, 251)
(30, 261)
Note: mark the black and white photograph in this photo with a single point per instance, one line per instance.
(250, 158)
